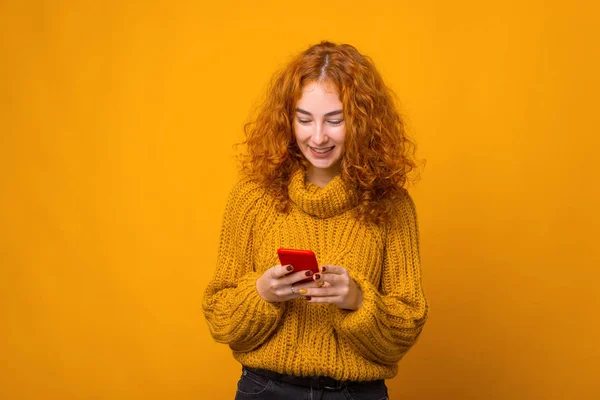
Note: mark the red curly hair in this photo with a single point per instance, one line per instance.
(378, 154)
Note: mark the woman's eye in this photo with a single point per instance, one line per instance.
(336, 122)
(303, 121)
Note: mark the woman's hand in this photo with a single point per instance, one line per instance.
(334, 286)
(277, 283)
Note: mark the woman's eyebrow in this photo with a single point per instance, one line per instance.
(329, 114)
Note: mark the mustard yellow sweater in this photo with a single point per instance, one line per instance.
(310, 339)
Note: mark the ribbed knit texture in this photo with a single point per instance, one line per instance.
(304, 339)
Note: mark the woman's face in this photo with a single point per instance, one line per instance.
(320, 130)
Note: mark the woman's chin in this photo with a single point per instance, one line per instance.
(324, 166)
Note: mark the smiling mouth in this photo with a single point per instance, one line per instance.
(322, 150)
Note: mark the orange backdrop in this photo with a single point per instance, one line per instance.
(117, 121)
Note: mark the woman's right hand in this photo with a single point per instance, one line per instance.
(276, 284)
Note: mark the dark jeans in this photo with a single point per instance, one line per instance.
(255, 386)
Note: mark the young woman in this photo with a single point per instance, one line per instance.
(325, 169)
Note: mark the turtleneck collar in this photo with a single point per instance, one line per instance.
(333, 199)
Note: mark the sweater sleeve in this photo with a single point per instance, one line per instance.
(235, 312)
(391, 316)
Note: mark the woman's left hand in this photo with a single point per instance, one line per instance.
(335, 287)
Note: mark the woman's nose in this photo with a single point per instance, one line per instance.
(319, 136)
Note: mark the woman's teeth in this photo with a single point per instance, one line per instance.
(325, 150)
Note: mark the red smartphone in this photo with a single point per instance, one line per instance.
(301, 260)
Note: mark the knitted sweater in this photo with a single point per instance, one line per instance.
(310, 339)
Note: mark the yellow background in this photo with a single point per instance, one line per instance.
(117, 121)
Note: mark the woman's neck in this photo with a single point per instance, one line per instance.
(321, 177)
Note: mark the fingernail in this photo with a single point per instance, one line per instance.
(289, 268)
(319, 284)
(308, 273)
(307, 297)
(317, 276)
(303, 291)
(323, 269)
